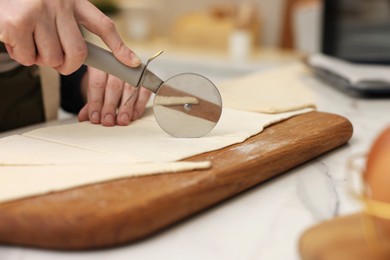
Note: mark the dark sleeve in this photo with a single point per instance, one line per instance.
(71, 99)
(2, 47)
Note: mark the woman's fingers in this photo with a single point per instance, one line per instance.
(111, 101)
(83, 114)
(97, 81)
(112, 97)
(126, 108)
(98, 23)
(17, 30)
(48, 45)
(143, 98)
(47, 32)
(72, 42)
(21, 47)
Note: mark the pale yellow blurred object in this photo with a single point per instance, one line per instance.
(213, 28)
(354, 237)
(273, 91)
(363, 235)
(342, 238)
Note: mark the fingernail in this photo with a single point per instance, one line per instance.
(109, 118)
(95, 117)
(125, 119)
(134, 59)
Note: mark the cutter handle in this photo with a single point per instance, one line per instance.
(104, 60)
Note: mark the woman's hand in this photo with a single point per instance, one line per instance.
(106, 100)
(46, 33)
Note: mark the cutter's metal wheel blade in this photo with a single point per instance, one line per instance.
(187, 105)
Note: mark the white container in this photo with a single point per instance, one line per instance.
(307, 24)
(138, 20)
(240, 44)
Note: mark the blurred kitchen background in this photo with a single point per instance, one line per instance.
(220, 39)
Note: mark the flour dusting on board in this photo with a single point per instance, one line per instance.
(246, 149)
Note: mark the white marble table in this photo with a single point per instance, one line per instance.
(266, 221)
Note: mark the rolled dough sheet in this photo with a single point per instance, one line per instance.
(23, 150)
(145, 141)
(272, 91)
(22, 181)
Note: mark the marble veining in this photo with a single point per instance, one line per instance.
(317, 191)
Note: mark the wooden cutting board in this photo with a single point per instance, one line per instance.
(121, 211)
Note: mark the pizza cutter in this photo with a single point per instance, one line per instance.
(186, 105)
